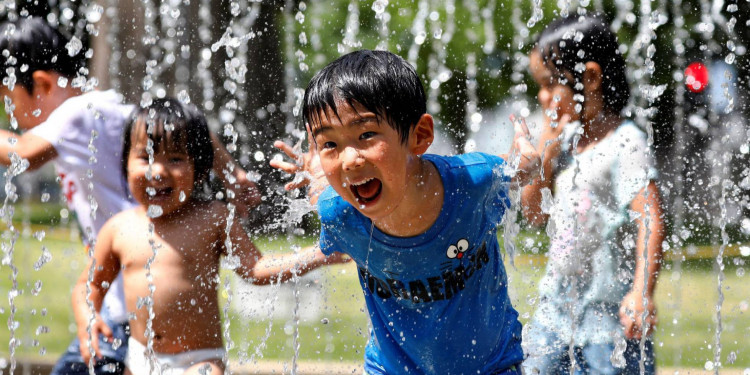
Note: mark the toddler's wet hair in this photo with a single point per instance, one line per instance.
(172, 125)
(382, 82)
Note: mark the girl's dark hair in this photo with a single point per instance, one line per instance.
(172, 125)
(33, 43)
(380, 81)
(569, 41)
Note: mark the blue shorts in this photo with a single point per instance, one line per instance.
(111, 363)
(548, 355)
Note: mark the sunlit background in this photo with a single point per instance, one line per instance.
(246, 64)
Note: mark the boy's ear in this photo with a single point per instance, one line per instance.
(43, 82)
(422, 135)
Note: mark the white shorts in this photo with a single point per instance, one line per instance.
(138, 360)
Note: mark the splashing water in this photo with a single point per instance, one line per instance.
(171, 58)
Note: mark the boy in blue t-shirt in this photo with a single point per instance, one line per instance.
(421, 228)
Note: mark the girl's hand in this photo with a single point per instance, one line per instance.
(306, 170)
(558, 113)
(528, 166)
(631, 315)
(97, 327)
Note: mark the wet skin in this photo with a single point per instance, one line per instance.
(365, 161)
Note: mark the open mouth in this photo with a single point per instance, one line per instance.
(161, 193)
(367, 191)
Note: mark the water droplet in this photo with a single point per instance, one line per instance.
(324, 321)
(205, 369)
(74, 46)
(43, 259)
(37, 288)
(379, 6)
(289, 328)
(62, 82)
(42, 330)
(709, 366)
(182, 196)
(154, 211)
(183, 97)
(109, 367)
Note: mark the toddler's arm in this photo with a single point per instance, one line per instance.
(103, 267)
(266, 269)
(28, 146)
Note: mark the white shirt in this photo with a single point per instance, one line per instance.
(86, 132)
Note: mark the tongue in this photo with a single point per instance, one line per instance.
(369, 190)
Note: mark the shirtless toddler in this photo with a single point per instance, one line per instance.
(169, 248)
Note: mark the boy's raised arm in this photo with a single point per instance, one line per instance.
(103, 267)
(28, 146)
(305, 168)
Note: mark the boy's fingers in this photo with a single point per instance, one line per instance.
(288, 150)
(285, 166)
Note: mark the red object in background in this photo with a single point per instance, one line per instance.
(696, 77)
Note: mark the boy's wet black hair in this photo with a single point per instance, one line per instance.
(172, 125)
(382, 82)
(30, 44)
(560, 46)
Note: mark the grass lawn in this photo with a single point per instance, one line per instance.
(686, 302)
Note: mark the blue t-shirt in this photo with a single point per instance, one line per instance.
(438, 302)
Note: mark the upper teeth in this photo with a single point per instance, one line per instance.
(362, 182)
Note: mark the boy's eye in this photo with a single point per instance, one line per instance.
(329, 144)
(367, 135)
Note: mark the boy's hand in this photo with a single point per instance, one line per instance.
(528, 166)
(631, 315)
(98, 327)
(306, 170)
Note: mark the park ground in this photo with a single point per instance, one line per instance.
(333, 335)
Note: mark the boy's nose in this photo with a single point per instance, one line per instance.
(352, 159)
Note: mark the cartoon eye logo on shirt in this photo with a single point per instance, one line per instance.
(457, 250)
